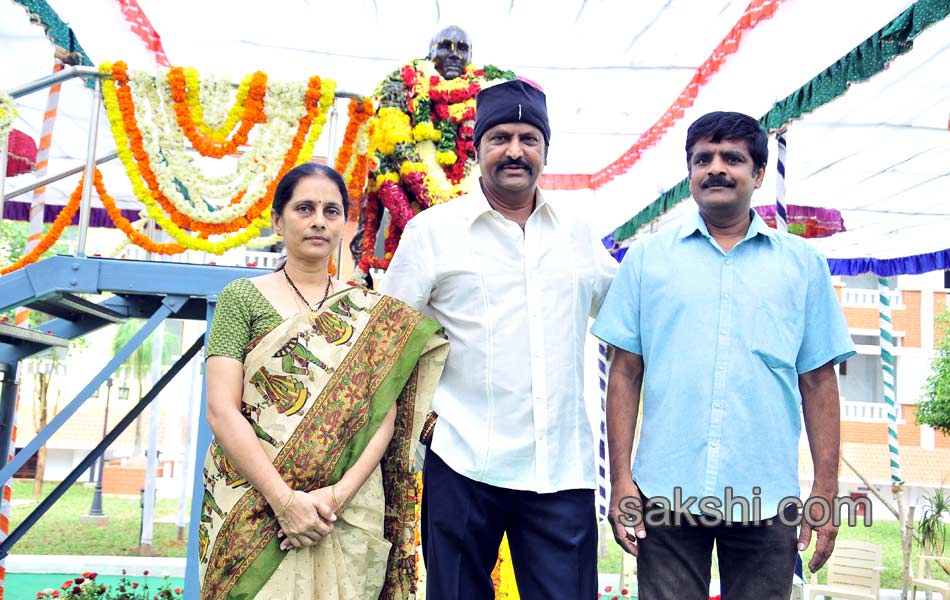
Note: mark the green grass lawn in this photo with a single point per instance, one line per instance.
(60, 530)
(885, 534)
(882, 533)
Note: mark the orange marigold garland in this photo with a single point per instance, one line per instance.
(63, 219)
(422, 147)
(314, 110)
(351, 163)
(137, 238)
(136, 145)
(206, 146)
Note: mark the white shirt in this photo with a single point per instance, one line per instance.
(515, 305)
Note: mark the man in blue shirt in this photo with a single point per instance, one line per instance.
(731, 330)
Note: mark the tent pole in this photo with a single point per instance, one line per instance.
(89, 173)
(3, 176)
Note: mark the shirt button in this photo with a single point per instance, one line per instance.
(728, 261)
(723, 332)
(714, 444)
(725, 296)
(722, 367)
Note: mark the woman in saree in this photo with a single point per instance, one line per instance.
(316, 393)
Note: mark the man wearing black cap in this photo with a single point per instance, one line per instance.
(513, 280)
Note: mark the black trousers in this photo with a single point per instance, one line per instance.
(553, 538)
(755, 562)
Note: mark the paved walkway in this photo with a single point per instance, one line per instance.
(104, 565)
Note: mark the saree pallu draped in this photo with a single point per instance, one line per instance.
(316, 389)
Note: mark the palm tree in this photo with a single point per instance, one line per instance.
(931, 528)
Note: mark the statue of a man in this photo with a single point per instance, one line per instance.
(451, 51)
(422, 146)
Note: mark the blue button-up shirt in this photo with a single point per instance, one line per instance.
(723, 339)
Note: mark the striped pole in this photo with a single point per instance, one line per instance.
(603, 364)
(22, 315)
(887, 369)
(38, 202)
(781, 215)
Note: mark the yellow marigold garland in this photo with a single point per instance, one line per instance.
(157, 205)
(252, 114)
(307, 134)
(327, 88)
(178, 171)
(422, 148)
(392, 128)
(135, 236)
(219, 134)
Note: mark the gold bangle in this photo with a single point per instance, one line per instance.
(339, 507)
(286, 505)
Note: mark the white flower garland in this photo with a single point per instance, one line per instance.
(217, 95)
(174, 165)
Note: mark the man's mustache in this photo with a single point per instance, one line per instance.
(516, 162)
(718, 181)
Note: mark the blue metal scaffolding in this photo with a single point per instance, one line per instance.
(153, 291)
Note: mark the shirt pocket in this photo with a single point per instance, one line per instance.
(777, 335)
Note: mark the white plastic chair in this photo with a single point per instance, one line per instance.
(929, 584)
(854, 573)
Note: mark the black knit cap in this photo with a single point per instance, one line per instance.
(511, 102)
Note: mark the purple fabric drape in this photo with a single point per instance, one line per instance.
(98, 217)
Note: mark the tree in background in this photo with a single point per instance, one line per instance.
(140, 362)
(47, 364)
(932, 529)
(935, 410)
(13, 237)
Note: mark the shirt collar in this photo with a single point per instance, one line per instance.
(478, 205)
(696, 223)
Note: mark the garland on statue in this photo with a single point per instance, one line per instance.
(422, 147)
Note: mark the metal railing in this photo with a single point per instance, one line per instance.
(870, 412)
(864, 298)
(238, 257)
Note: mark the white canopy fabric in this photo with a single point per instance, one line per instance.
(610, 68)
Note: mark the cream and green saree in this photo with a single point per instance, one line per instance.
(316, 388)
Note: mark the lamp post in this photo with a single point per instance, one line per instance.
(96, 509)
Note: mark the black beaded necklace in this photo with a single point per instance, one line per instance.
(326, 293)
